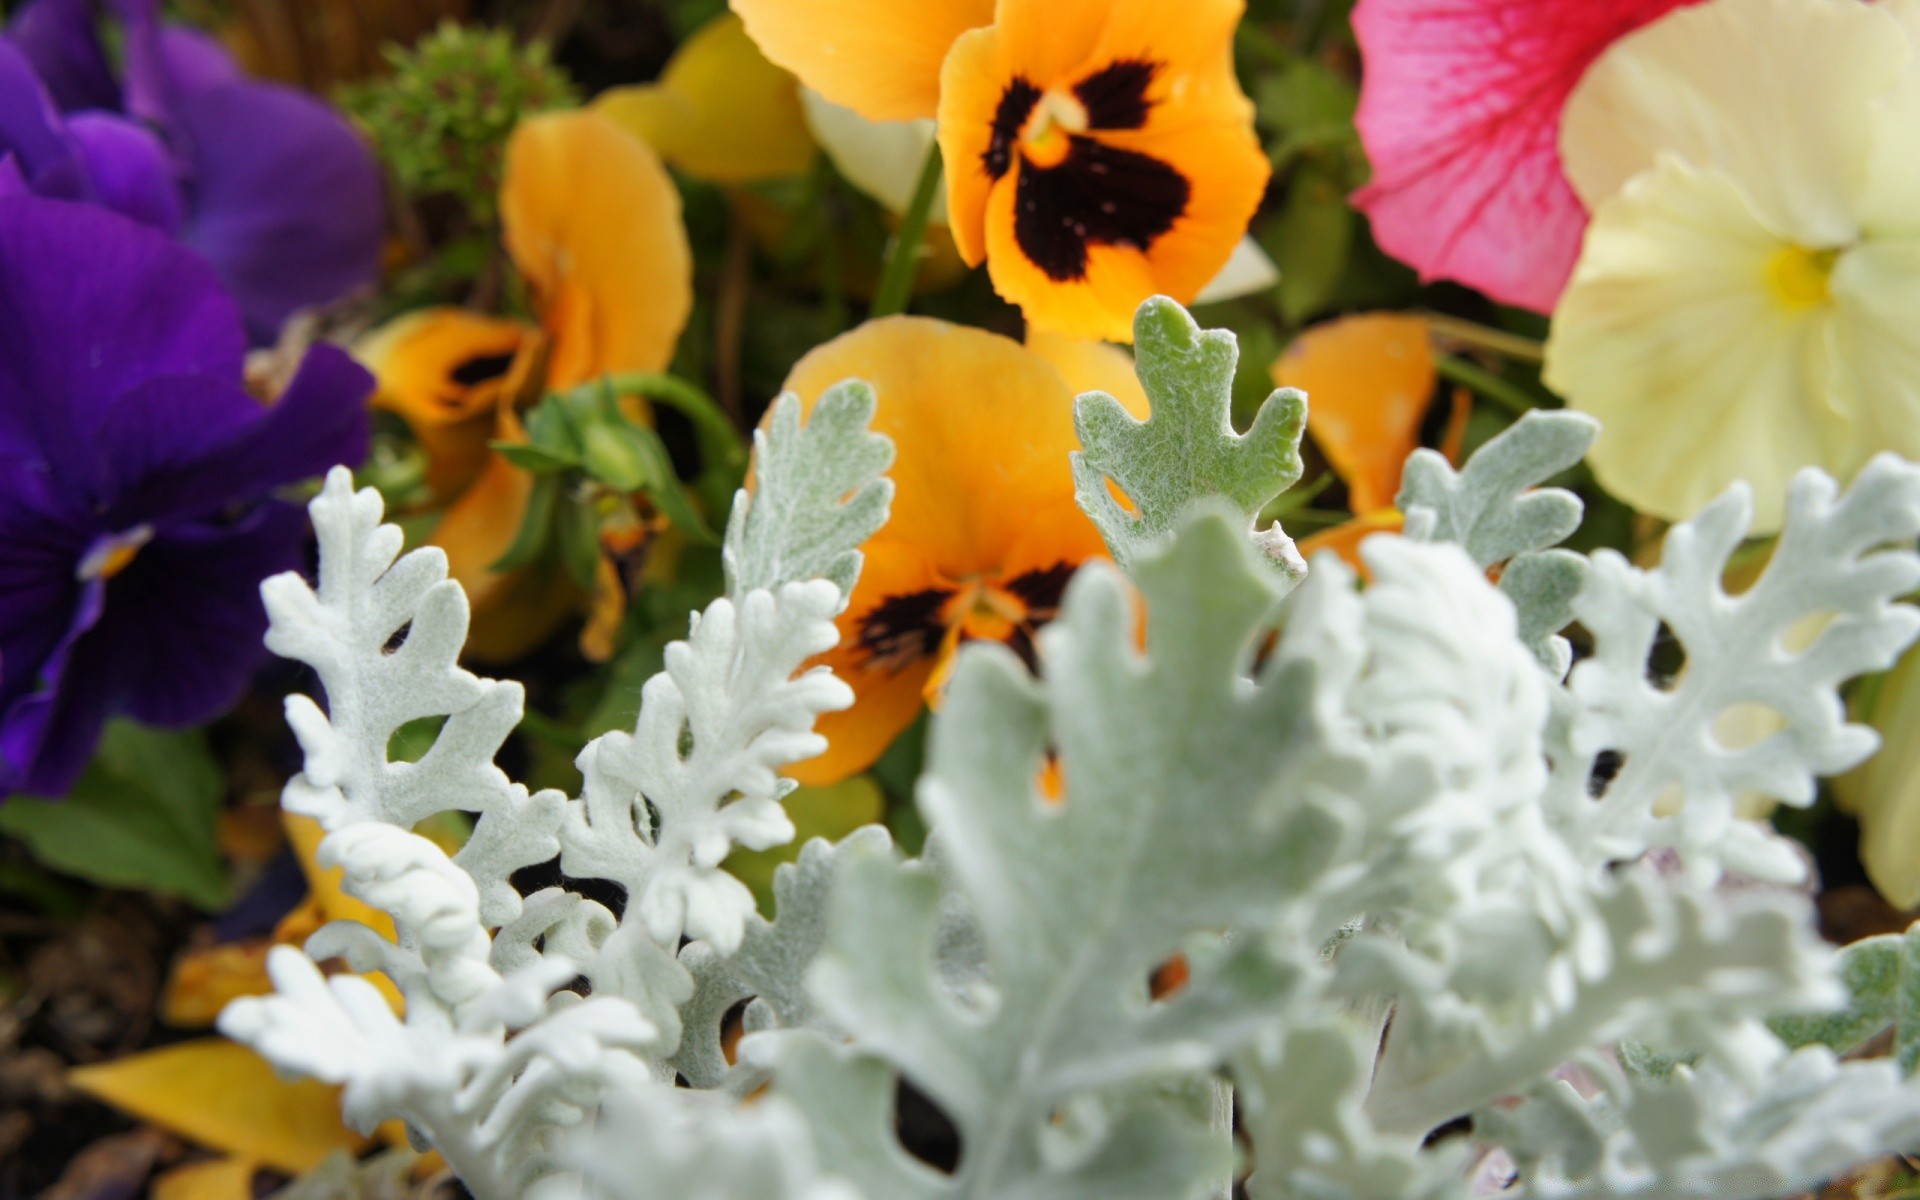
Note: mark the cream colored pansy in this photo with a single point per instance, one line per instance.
(1748, 299)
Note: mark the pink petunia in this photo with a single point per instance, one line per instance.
(1460, 113)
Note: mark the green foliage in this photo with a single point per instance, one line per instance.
(144, 815)
(1882, 978)
(441, 119)
(1187, 448)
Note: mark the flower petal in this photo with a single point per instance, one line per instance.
(593, 221)
(97, 305)
(1876, 348)
(128, 170)
(60, 38)
(981, 429)
(286, 200)
(442, 370)
(1369, 379)
(1703, 84)
(1459, 111)
(880, 58)
(881, 158)
(1669, 335)
(1090, 366)
(720, 112)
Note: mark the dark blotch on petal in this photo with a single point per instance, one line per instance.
(480, 368)
(1041, 590)
(1116, 95)
(1016, 105)
(1096, 195)
(903, 629)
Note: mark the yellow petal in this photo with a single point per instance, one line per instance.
(1884, 792)
(223, 1096)
(1093, 366)
(213, 1179)
(1368, 380)
(592, 220)
(442, 370)
(880, 58)
(720, 111)
(205, 980)
(306, 835)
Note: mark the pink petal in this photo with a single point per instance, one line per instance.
(1460, 113)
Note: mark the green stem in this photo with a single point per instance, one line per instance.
(1486, 384)
(1481, 337)
(718, 436)
(903, 254)
(550, 731)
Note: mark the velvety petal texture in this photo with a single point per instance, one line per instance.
(136, 481)
(1097, 154)
(1459, 112)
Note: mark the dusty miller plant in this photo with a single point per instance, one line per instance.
(1420, 869)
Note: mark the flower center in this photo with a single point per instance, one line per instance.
(1800, 278)
(984, 612)
(1048, 134)
(108, 556)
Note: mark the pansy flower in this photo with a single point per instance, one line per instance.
(591, 219)
(1747, 300)
(1460, 109)
(268, 183)
(137, 515)
(880, 58)
(984, 532)
(1097, 154)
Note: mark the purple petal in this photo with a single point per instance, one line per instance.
(129, 169)
(285, 199)
(31, 130)
(40, 541)
(92, 306)
(47, 736)
(61, 39)
(190, 449)
(195, 62)
(188, 616)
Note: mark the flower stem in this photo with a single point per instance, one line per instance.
(903, 254)
(1486, 384)
(1476, 336)
(717, 433)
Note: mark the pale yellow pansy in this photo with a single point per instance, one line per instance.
(1748, 299)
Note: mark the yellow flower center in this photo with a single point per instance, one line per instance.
(1047, 137)
(110, 556)
(1800, 278)
(984, 612)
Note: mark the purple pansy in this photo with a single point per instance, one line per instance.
(137, 515)
(270, 184)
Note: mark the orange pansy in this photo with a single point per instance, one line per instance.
(1099, 152)
(592, 221)
(881, 58)
(984, 532)
(1370, 379)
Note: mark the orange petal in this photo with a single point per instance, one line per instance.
(223, 1096)
(1368, 379)
(981, 428)
(441, 370)
(1091, 366)
(513, 611)
(720, 111)
(880, 58)
(592, 220)
(1344, 539)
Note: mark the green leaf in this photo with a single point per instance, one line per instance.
(1187, 449)
(818, 494)
(539, 460)
(1310, 241)
(144, 816)
(1882, 978)
(665, 489)
(578, 528)
(536, 527)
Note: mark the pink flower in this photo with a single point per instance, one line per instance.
(1460, 113)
